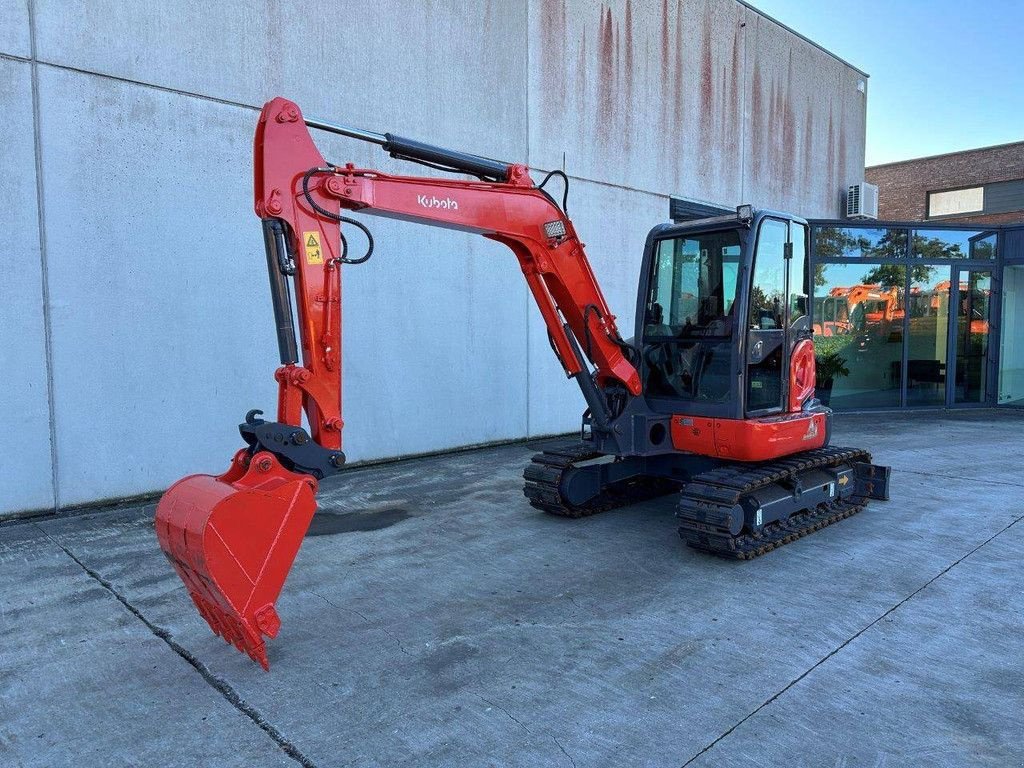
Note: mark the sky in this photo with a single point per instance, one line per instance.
(945, 75)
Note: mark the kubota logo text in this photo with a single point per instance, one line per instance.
(435, 202)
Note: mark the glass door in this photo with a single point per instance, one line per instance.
(779, 291)
(970, 331)
(928, 309)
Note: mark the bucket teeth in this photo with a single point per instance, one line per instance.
(232, 541)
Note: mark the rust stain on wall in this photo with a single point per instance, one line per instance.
(757, 130)
(678, 75)
(554, 75)
(707, 85)
(734, 87)
(606, 74)
(581, 75)
(630, 61)
(808, 150)
(789, 131)
(831, 151)
(842, 150)
(666, 48)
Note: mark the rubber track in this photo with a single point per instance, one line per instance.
(544, 473)
(706, 504)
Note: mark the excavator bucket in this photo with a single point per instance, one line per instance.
(232, 540)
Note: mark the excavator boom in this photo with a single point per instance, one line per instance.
(232, 538)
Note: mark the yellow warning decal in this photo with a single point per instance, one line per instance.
(843, 480)
(311, 243)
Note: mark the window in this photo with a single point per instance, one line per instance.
(767, 336)
(693, 287)
(859, 243)
(928, 307)
(983, 246)
(798, 275)
(956, 201)
(767, 296)
(1011, 354)
(952, 244)
(858, 325)
(689, 321)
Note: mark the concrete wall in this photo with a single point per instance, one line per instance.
(136, 323)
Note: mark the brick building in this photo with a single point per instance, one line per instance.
(983, 185)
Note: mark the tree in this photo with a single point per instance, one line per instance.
(833, 243)
(893, 275)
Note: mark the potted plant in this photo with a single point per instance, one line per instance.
(827, 368)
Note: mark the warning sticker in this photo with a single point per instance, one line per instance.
(311, 243)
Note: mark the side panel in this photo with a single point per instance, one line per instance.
(751, 439)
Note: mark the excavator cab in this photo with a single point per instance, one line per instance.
(722, 306)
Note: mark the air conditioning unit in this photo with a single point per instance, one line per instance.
(862, 201)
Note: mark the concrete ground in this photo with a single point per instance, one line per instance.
(433, 618)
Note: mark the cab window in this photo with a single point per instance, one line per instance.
(693, 287)
(767, 293)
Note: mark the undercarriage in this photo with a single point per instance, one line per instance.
(732, 510)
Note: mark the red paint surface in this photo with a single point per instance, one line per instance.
(750, 440)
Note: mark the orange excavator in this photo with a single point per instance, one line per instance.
(838, 312)
(712, 399)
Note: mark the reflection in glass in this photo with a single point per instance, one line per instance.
(858, 316)
(798, 275)
(983, 246)
(767, 318)
(767, 304)
(953, 244)
(928, 306)
(972, 323)
(1011, 353)
(859, 243)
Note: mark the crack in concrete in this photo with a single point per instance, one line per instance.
(849, 640)
(339, 607)
(214, 681)
(383, 629)
(523, 725)
(511, 717)
(554, 739)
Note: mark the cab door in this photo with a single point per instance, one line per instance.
(777, 312)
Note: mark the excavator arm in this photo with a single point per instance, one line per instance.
(232, 538)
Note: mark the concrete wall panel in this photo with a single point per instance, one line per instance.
(435, 342)
(650, 96)
(158, 287)
(613, 224)
(14, 29)
(449, 72)
(25, 468)
(640, 94)
(804, 121)
(165, 257)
